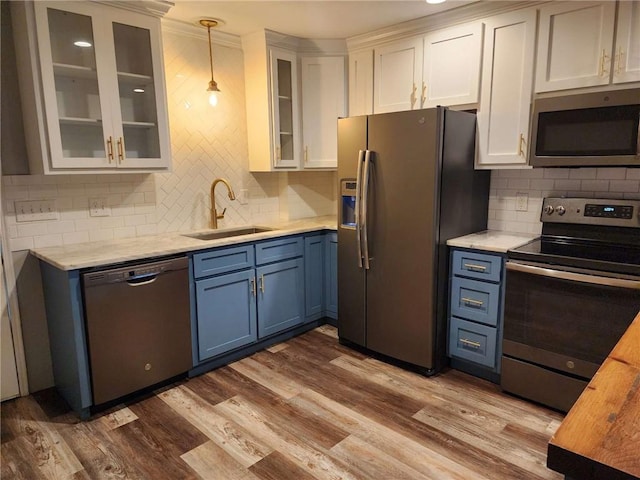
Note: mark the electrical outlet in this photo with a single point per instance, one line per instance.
(522, 202)
(36, 210)
(98, 207)
(243, 198)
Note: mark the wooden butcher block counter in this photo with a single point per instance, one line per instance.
(600, 436)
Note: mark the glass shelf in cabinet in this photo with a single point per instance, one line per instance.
(74, 71)
(134, 78)
(80, 121)
(138, 124)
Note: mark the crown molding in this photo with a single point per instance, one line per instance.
(197, 31)
(448, 18)
(155, 8)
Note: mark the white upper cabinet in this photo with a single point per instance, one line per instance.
(361, 83)
(575, 45)
(627, 48)
(507, 84)
(397, 76)
(102, 81)
(271, 88)
(451, 70)
(284, 94)
(323, 101)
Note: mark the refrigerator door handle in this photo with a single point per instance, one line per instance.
(365, 201)
(358, 216)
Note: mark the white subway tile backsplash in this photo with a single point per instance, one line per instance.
(64, 226)
(96, 235)
(32, 229)
(75, 237)
(21, 243)
(595, 185)
(566, 185)
(633, 174)
(583, 173)
(42, 241)
(625, 186)
(581, 182)
(611, 173)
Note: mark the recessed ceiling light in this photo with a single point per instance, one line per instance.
(433, 2)
(138, 90)
(83, 44)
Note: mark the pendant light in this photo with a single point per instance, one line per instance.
(213, 89)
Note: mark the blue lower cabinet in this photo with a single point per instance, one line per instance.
(226, 313)
(280, 296)
(331, 275)
(314, 291)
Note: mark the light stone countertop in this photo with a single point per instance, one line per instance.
(108, 252)
(492, 240)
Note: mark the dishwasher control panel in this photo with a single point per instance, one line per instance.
(133, 272)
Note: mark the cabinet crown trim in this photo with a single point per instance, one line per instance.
(155, 8)
(422, 25)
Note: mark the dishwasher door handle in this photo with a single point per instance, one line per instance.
(140, 281)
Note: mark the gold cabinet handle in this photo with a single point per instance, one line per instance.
(120, 149)
(603, 59)
(110, 149)
(413, 95)
(471, 301)
(424, 93)
(262, 283)
(306, 154)
(253, 286)
(470, 343)
(521, 143)
(278, 152)
(473, 266)
(619, 58)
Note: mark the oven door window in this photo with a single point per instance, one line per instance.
(588, 132)
(575, 319)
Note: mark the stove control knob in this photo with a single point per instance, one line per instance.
(560, 210)
(548, 209)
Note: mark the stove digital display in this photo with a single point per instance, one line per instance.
(608, 211)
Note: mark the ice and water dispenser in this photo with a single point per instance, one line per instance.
(348, 207)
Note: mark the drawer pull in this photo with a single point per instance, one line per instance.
(472, 302)
(477, 268)
(470, 343)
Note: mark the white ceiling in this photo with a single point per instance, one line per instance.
(306, 19)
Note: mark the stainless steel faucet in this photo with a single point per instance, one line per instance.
(214, 213)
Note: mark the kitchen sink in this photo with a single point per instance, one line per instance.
(235, 232)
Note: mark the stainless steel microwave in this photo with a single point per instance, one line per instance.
(586, 130)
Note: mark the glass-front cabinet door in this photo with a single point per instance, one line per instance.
(102, 87)
(284, 95)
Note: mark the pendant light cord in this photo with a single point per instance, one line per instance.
(210, 52)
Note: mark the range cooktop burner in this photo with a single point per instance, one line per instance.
(598, 234)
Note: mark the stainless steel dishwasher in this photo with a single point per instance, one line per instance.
(138, 326)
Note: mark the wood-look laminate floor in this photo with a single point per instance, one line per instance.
(305, 409)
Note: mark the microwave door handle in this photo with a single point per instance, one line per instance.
(365, 202)
(638, 138)
(358, 206)
(576, 277)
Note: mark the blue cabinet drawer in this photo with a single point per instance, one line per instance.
(280, 249)
(222, 260)
(473, 342)
(474, 300)
(476, 265)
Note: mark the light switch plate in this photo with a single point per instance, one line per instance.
(36, 210)
(522, 202)
(243, 197)
(98, 207)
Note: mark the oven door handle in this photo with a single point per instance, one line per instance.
(577, 277)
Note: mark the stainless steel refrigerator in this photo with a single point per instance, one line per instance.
(406, 184)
